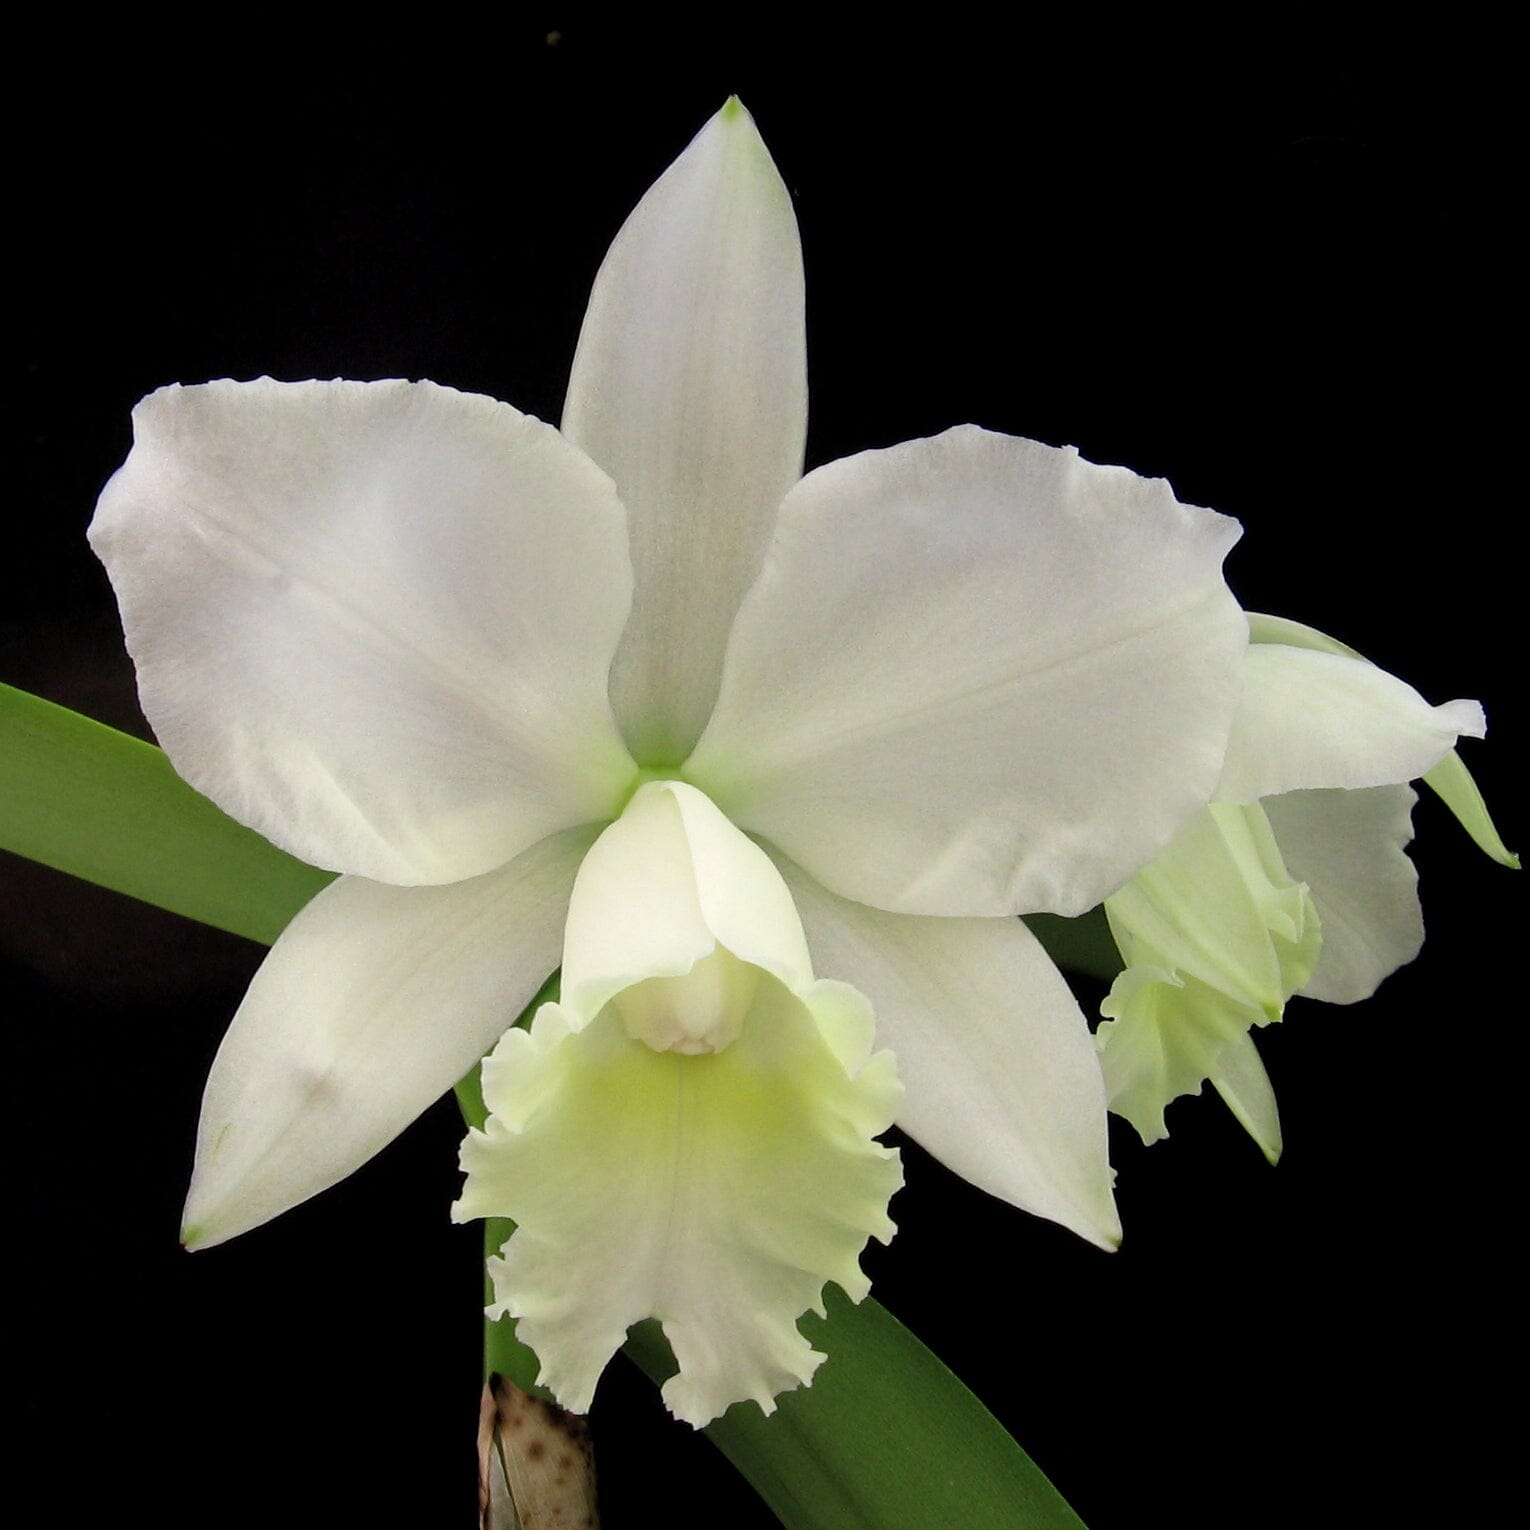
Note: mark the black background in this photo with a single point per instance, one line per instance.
(1267, 267)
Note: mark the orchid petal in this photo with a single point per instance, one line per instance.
(1450, 780)
(1281, 629)
(1245, 1087)
(666, 883)
(1166, 1034)
(1349, 848)
(977, 675)
(373, 621)
(690, 388)
(1452, 783)
(371, 1004)
(717, 1193)
(1316, 719)
(1001, 1080)
(1220, 905)
(1216, 936)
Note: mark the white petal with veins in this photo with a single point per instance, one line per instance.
(977, 675)
(1311, 719)
(999, 1070)
(1349, 847)
(373, 620)
(690, 388)
(374, 1001)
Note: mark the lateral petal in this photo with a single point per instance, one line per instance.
(977, 675)
(689, 387)
(1349, 847)
(373, 621)
(372, 1003)
(999, 1070)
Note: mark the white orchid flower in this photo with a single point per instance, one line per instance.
(1295, 880)
(753, 754)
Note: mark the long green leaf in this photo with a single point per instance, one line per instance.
(107, 807)
(886, 1438)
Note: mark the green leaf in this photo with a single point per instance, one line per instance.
(107, 807)
(885, 1438)
(1084, 944)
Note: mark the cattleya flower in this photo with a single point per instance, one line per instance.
(1293, 880)
(768, 762)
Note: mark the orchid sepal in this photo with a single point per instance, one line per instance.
(1449, 779)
